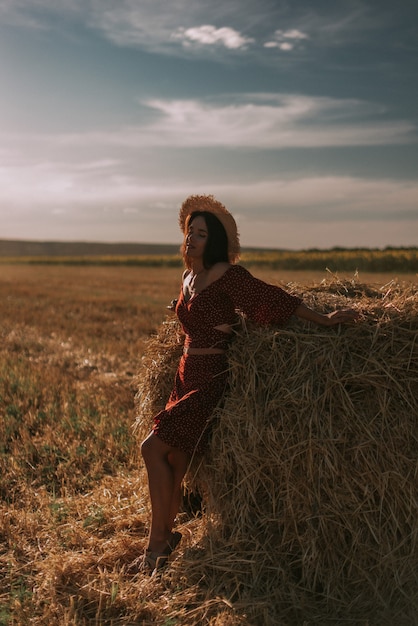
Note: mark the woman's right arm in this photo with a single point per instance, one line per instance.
(341, 316)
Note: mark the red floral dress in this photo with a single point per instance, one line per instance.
(201, 380)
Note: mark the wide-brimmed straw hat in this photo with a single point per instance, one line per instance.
(208, 203)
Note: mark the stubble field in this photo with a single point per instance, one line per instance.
(72, 484)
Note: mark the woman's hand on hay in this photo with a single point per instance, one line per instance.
(341, 316)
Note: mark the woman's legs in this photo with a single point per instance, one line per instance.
(166, 467)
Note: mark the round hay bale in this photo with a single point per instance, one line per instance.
(310, 483)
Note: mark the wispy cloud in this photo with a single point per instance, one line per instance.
(182, 26)
(59, 199)
(157, 24)
(39, 193)
(332, 198)
(103, 183)
(287, 121)
(173, 27)
(257, 121)
(37, 14)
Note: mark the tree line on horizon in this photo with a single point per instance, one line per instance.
(389, 259)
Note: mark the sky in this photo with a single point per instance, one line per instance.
(301, 116)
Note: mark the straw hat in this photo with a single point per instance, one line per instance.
(208, 203)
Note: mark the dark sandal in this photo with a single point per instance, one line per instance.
(152, 561)
(172, 543)
(147, 563)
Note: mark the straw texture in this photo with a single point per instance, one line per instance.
(310, 483)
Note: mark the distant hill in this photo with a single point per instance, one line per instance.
(15, 248)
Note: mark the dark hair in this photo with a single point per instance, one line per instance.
(216, 248)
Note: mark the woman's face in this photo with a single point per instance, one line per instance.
(196, 238)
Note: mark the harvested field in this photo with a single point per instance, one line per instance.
(74, 509)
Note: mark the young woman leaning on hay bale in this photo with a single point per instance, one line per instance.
(213, 288)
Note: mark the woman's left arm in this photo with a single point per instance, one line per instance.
(341, 316)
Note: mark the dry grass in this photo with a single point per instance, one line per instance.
(74, 508)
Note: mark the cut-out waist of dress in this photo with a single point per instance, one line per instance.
(203, 351)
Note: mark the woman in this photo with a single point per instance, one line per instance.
(213, 289)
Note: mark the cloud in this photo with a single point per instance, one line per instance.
(286, 40)
(174, 27)
(208, 35)
(332, 198)
(256, 121)
(158, 26)
(50, 184)
(270, 122)
(252, 121)
(182, 27)
(291, 34)
(99, 201)
(37, 14)
(86, 184)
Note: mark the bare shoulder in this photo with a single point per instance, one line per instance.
(218, 270)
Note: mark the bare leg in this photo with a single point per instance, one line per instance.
(166, 467)
(179, 461)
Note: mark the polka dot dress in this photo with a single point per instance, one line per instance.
(198, 387)
(201, 380)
